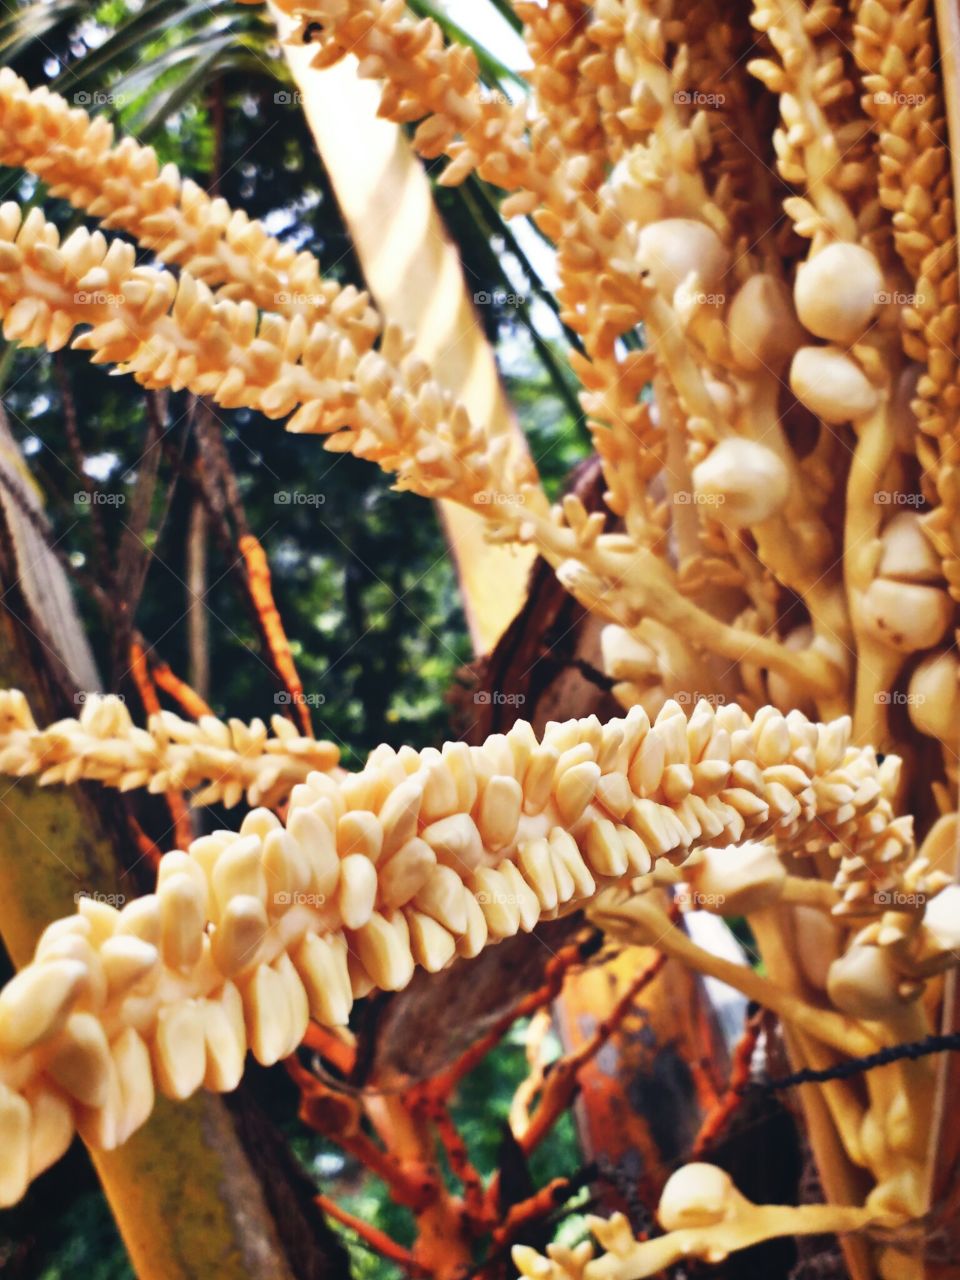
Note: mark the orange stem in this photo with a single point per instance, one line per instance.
(329, 1045)
(183, 828)
(556, 970)
(561, 1083)
(261, 593)
(148, 850)
(187, 697)
(141, 678)
(536, 1206)
(718, 1117)
(375, 1238)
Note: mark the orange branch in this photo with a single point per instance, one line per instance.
(261, 593)
(556, 970)
(141, 678)
(183, 829)
(328, 1044)
(561, 1082)
(338, 1116)
(433, 1109)
(536, 1206)
(718, 1117)
(182, 693)
(372, 1236)
(147, 848)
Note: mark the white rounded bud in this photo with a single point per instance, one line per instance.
(864, 984)
(697, 1195)
(762, 327)
(831, 384)
(723, 397)
(624, 656)
(838, 291)
(636, 200)
(672, 248)
(905, 616)
(941, 919)
(933, 696)
(736, 881)
(744, 481)
(908, 553)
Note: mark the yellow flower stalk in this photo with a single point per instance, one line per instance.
(217, 761)
(125, 187)
(705, 1217)
(902, 96)
(414, 861)
(171, 332)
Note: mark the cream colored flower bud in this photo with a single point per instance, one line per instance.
(933, 696)
(735, 881)
(624, 656)
(723, 397)
(905, 616)
(838, 291)
(831, 384)
(908, 553)
(672, 248)
(636, 200)
(763, 329)
(864, 983)
(941, 919)
(745, 482)
(697, 1195)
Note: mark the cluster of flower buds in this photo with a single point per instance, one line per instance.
(429, 81)
(125, 187)
(419, 858)
(176, 333)
(220, 762)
